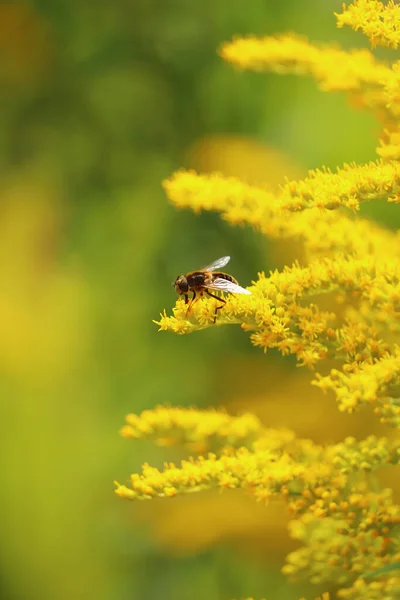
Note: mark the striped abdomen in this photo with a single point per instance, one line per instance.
(221, 275)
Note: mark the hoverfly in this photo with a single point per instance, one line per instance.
(202, 281)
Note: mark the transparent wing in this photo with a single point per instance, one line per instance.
(223, 285)
(217, 264)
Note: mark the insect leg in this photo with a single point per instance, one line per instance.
(191, 304)
(217, 307)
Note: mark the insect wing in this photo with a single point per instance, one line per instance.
(223, 285)
(217, 264)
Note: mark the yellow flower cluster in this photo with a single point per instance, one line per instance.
(265, 473)
(198, 431)
(349, 529)
(346, 530)
(344, 540)
(370, 82)
(375, 383)
(334, 69)
(371, 453)
(264, 467)
(347, 187)
(373, 590)
(380, 22)
(241, 203)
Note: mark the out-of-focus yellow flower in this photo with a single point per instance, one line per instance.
(356, 72)
(389, 149)
(193, 523)
(252, 162)
(371, 84)
(43, 307)
(330, 554)
(234, 156)
(333, 68)
(199, 431)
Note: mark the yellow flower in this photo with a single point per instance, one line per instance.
(198, 430)
(348, 187)
(333, 68)
(263, 473)
(379, 22)
(369, 383)
(241, 203)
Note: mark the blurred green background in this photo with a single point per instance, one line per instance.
(100, 101)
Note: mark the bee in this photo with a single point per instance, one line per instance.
(202, 281)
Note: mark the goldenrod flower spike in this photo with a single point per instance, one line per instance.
(371, 83)
(268, 468)
(348, 187)
(199, 430)
(343, 539)
(369, 384)
(335, 69)
(345, 528)
(351, 455)
(356, 71)
(202, 315)
(241, 203)
(378, 21)
(264, 473)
